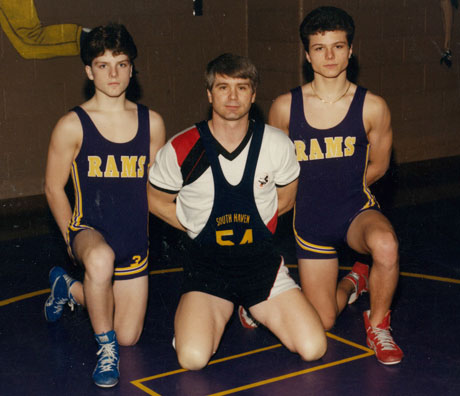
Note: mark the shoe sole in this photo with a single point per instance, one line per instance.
(106, 386)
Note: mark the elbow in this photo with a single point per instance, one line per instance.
(49, 192)
(285, 206)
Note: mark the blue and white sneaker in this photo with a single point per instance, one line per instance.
(106, 373)
(60, 294)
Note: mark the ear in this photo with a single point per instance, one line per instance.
(253, 99)
(89, 72)
(350, 52)
(130, 70)
(209, 95)
(307, 56)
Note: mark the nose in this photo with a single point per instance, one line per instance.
(329, 53)
(232, 92)
(113, 72)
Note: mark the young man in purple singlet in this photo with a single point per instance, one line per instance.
(105, 145)
(343, 139)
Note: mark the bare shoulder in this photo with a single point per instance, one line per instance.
(156, 122)
(375, 105)
(157, 132)
(279, 113)
(282, 102)
(68, 128)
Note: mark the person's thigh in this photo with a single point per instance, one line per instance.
(295, 322)
(130, 302)
(199, 324)
(367, 229)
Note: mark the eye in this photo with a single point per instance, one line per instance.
(318, 48)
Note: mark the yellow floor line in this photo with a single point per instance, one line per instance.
(179, 269)
(367, 352)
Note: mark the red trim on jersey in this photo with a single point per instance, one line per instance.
(273, 223)
(184, 143)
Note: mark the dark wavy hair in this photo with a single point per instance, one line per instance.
(233, 66)
(113, 37)
(326, 19)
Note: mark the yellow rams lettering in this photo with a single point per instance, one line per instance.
(334, 147)
(300, 150)
(350, 146)
(94, 168)
(131, 166)
(315, 150)
(111, 167)
(140, 168)
(128, 166)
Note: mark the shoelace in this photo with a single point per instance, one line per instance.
(59, 304)
(109, 357)
(384, 338)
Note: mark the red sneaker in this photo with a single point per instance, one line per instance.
(380, 340)
(247, 321)
(359, 276)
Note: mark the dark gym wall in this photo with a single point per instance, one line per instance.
(397, 45)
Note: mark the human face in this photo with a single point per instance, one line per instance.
(231, 98)
(328, 53)
(110, 73)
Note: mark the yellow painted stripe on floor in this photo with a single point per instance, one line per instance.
(291, 375)
(179, 269)
(23, 297)
(161, 375)
(368, 352)
(166, 271)
(351, 343)
(431, 277)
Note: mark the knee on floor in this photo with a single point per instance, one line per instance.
(314, 348)
(192, 358)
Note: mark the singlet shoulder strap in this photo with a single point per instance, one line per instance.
(296, 102)
(82, 115)
(360, 94)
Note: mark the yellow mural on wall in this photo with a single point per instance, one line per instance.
(32, 40)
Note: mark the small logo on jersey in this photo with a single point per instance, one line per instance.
(262, 180)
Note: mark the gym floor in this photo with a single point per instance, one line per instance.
(39, 358)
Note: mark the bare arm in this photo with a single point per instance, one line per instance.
(163, 205)
(279, 113)
(286, 197)
(157, 134)
(64, 145)
(377, 120)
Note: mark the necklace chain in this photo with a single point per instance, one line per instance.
(327, 101)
